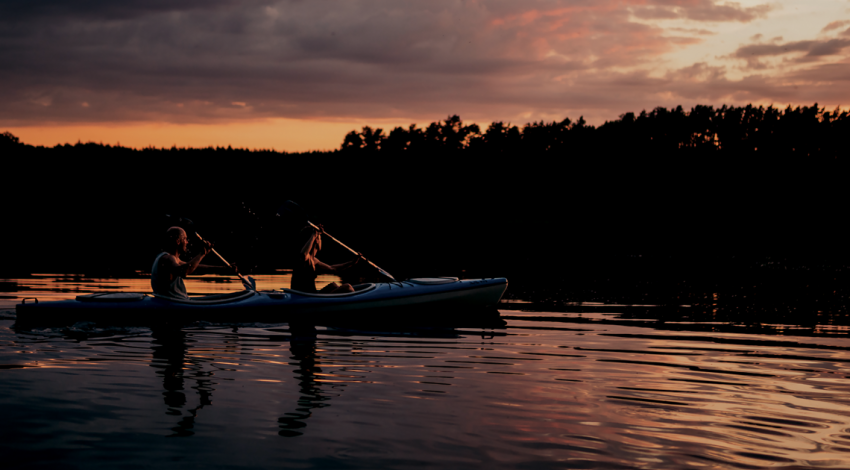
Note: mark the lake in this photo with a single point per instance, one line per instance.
(583, 385)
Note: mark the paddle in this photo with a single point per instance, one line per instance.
(294, 210)
(189, 226)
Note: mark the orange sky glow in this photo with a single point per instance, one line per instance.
(291, 135)
(296, 76)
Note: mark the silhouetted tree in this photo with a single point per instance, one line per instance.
(7, 140)
(372, 140)
(352, 141)
(498, 138)
(397, 141)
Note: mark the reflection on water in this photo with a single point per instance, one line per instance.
(46, 287)
(302, 346)
(552, 389)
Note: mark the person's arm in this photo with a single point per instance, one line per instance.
(348, 264)
(179, 268)
(218, 269)
(322, 268)
(335, 268)
(196, 261)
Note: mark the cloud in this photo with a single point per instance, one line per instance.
(702, 10)
(761, 50)
(825, 74)
(302, 59)
(830, 47)
(657, 13)
(702, 32)
(812, 48)
(23, 10)
(222, 60)
(835, 25)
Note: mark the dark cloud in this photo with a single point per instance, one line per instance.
(18, 10)
(368, 59)
(826, 74)
(761, 50)
(830, 47)
(297, 59)
(701, 10)
(812, 48)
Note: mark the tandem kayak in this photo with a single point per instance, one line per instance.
(438, 298)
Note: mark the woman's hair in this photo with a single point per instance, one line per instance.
(304, 236)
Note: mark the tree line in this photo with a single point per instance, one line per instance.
(703, 130)
(727, 180)
(807, 131)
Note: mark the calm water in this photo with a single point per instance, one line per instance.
(596, 389)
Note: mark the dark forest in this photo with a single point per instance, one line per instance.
(668, 196)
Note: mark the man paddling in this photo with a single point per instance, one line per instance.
(169, 270)
(308, 266)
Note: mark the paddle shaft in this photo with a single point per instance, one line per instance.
(349, 249)
(222, 258)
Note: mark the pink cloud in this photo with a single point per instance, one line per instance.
(375, 59)
(835, 25)
(701, 10)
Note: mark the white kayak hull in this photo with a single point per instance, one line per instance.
(435, 297)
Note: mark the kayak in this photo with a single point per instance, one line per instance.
(438, 298)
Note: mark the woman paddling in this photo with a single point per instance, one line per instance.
(308, 266)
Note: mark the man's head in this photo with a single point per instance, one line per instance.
(175, 240)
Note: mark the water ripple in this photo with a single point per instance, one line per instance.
(535, 394)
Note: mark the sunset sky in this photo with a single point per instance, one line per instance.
(297, 75)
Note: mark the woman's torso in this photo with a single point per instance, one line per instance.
(304, 276)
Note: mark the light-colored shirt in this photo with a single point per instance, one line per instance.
(162, 286)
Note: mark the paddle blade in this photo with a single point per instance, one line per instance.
(291, 209)
(292, 215)
(249, 283)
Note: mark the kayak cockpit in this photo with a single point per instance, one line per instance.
(358, 289)
(112, 297)
(211, 299)
(432, 281)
